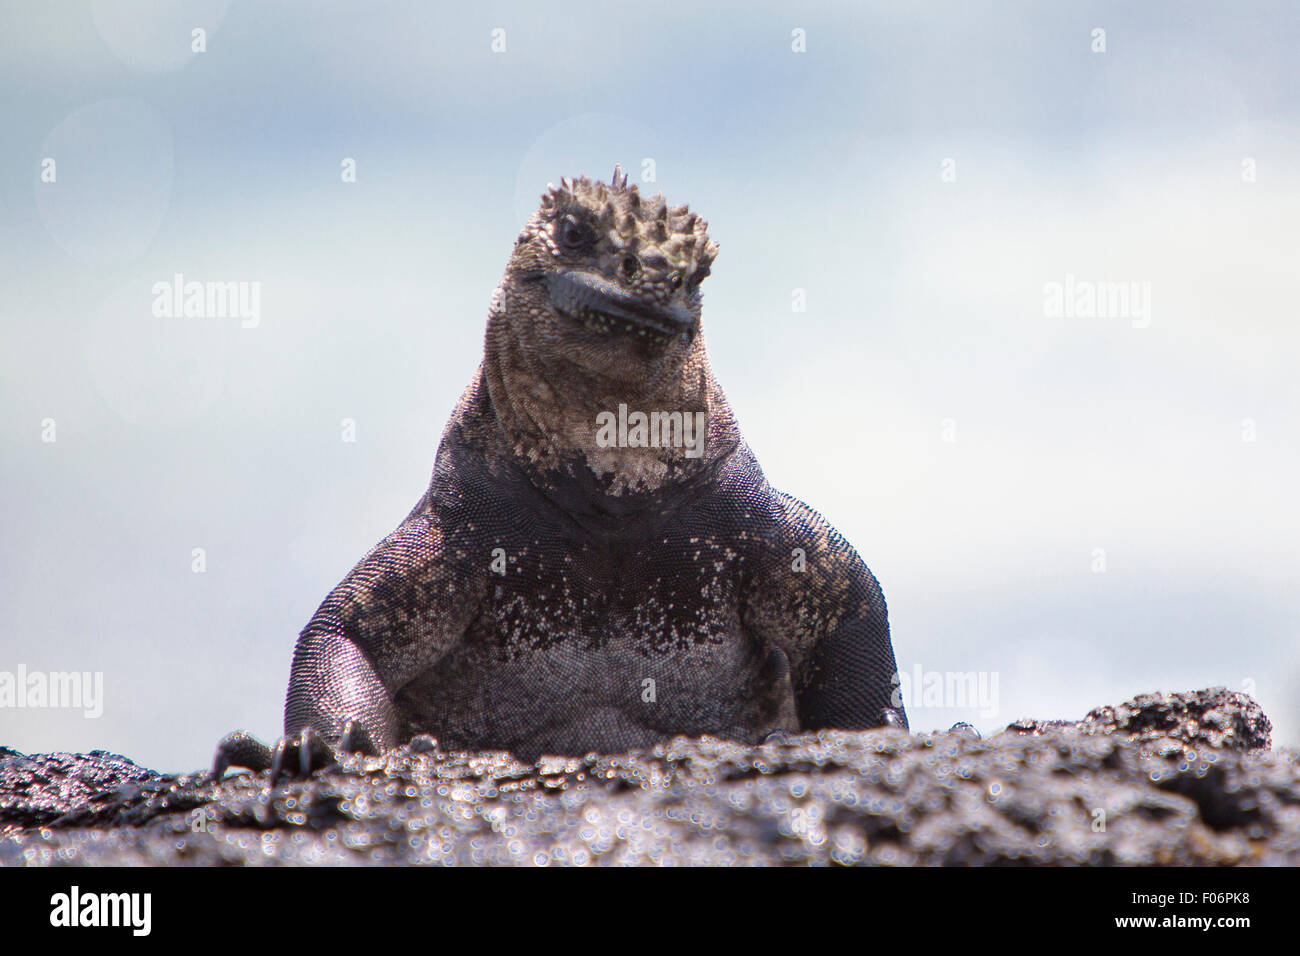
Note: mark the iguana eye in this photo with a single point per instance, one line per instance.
(574, 235)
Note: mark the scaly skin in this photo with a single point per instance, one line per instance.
(550, 594)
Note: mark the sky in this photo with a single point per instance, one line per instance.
(926, 215)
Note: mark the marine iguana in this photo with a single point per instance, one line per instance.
(567, 584)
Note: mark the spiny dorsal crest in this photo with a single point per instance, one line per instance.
(631, 220)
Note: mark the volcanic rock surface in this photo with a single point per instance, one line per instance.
(1183, 779)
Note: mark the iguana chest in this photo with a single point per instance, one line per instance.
(671, 593)
(620, 641)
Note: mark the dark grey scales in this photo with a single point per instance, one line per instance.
(549, 595)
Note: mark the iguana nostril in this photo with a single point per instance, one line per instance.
(631, 267)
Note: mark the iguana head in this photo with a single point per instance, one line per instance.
(599, 311)
(607, 278)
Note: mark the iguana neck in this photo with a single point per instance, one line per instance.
(550, 413)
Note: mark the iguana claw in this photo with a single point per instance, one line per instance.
(240, 749)
(292, 756)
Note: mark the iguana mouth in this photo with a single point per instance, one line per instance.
(595, 303)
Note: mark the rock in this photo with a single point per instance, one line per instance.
(1162, 779)
(1216, 718)
(38, 789)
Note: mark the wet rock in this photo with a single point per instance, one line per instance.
(41, 788)
(1217, 718)
(1162, 779)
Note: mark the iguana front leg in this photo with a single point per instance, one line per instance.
(818, 602)
(395, 614)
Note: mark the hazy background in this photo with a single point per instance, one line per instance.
(819, 171)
